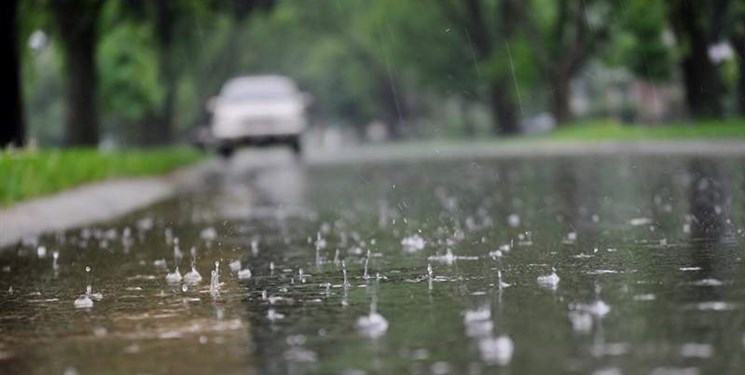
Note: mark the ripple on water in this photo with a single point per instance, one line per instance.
(689, 269)
(608, 371)
(496, 350)
(707, 282)
(299, 354)
(715, 306)
(550, 281)
(675, 371)
(645, 297)
(373, 325)
(697, 350)
(610, 349)
(602, 272)
(83, 302)
(413, 243)
(449, 257)
(582, 322)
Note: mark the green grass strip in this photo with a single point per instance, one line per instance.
(608, 130)
(27, 174)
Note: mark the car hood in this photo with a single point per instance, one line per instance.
(268, 109)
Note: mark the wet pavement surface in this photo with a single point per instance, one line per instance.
(566, 265)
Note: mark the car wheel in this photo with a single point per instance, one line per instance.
(225, 152)
(296, 146)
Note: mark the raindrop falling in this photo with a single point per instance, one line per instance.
(301, 275)
(86, 300)
(177, 254)
(430, 276)
(344, 271)
(254, 247)
(366, 275)
(215, 280)
(55, 257)
(500, 283)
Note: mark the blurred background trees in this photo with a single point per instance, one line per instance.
(13, 130)
(119, 73)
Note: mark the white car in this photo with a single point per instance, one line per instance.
(258, 110)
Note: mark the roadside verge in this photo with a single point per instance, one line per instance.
(93, 203)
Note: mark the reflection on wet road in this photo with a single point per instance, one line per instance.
(568, 265)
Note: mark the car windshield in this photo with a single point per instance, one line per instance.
(255, 95)
(245, 90)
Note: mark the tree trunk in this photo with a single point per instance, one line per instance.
(701, 79)
(12, 129)
(77, 23)
(504, 112)
(164, 23)
(741, 88)
(81, 125)
(560, 84)
(703, 86)
(738, 42)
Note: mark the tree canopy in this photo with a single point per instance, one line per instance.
(139, 72)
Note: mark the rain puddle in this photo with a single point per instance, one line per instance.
(615, 265)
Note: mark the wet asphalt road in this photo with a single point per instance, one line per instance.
(647, 252)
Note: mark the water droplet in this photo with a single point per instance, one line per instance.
(174, 277)
(244, 274)
(215, 280)
(549, 281)
(83, 302)
(513, 220)
(344, 272)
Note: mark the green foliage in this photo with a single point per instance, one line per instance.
(351, 55)
(609, 130)
(30, 173)
(640, 42)
(129, 66)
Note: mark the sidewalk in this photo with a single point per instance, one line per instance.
(93, 203)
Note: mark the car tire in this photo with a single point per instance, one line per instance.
(225, 152)
(296, 146)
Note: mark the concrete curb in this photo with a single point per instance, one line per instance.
(93, 203)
